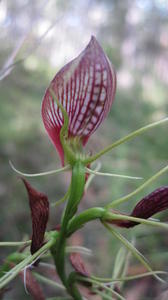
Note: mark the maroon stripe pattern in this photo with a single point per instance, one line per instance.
(153, 203)
(39, 206)
(86, 88)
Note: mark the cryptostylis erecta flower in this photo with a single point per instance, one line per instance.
(86, 88)
(74, 105)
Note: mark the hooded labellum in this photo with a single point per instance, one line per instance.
(86, 89)
(153, 203)
(39, 206)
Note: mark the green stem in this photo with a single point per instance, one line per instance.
(88, 215)
(126, 138)
(58, 249)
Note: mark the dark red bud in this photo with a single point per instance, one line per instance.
(151, 204)
(32, 286)
(39, 206)
(78, 264)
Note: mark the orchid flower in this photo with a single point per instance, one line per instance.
(86, 88)
(75, 103)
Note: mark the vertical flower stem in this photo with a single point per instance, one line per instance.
(58, 249)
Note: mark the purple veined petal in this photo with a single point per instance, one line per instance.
(153, 203)
(86, 88)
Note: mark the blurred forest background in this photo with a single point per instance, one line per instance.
(36, 39)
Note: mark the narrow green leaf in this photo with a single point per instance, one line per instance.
(132, 249)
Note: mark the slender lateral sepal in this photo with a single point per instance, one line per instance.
(132, 249)
(91, 176)
(111, 174)
(128, 278)
(123, 140)
(66, 168)
(139, 189)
